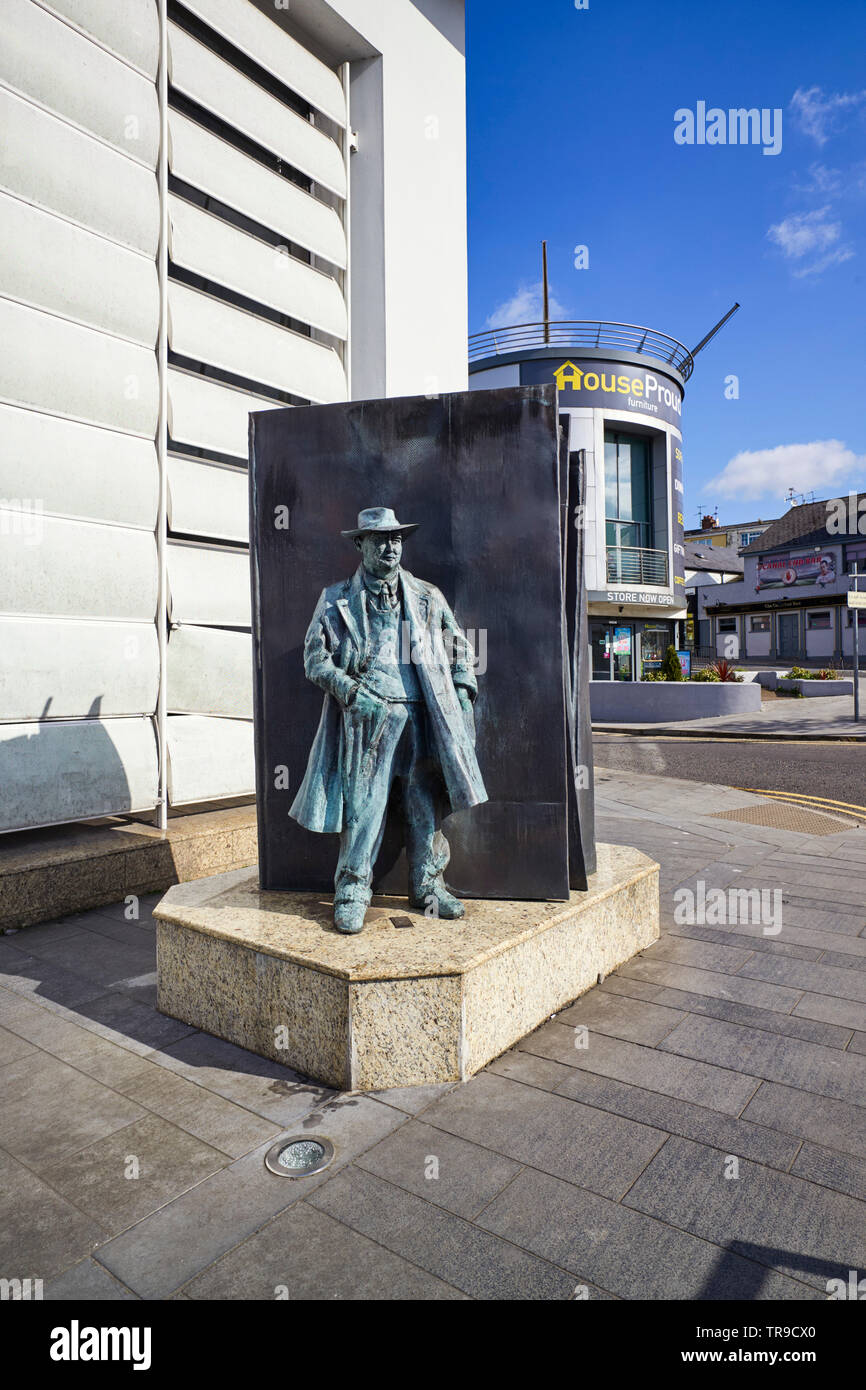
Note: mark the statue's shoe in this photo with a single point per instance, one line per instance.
(349, 917)
(446, 905)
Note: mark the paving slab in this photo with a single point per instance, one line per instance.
(830, 1168)
(631, 1255)
(817, 978)
(790, 1025)
(600, 1151)
(48, 1111)
(473, 1260)
(134, 1171)
(305, 1254)
(686, 977)
(795, 1227)
(818, 1118)
(823, 1070)
(229, 1128)
(440, 1167)
(87, 1282)
(632, 1019)
(740, 1137)
(41, 1233)
(713, 1086)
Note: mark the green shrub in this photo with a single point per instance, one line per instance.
(706, 673)
(671, 668)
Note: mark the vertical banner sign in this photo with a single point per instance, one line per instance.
(677, 520)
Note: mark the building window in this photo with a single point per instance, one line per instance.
(746, 537)
(861, 617)
(760, 622)
(855, 555)
(627, 489)
(817, 621)
(727, 625)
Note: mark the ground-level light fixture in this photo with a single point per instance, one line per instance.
(299, 1157)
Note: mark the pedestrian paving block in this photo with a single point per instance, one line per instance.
(633, 1020)
(796, 1227)
(744, 991)
(832, 1169)
(470, 1258)
(305, 1254)
(680, 1117)
(631, 1255)
(810, 1116)
(600, 1151)
(822, 1070)
(790, 1025)
(713, 1086)
(440, 1167)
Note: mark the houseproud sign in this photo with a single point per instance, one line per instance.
(618, 387)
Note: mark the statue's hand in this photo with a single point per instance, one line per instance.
(365, 704)
(464, 698)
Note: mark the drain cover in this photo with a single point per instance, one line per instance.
(784, 816)
(299, 1157)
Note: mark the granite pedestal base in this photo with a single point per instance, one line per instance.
(397, 1005)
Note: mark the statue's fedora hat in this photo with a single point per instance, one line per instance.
(380, 519)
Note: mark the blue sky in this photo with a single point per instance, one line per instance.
(571, 137)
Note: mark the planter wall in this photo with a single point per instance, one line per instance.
(657, 702)
(811, 689)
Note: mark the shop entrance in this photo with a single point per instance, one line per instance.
(612, 647)
(789, 635)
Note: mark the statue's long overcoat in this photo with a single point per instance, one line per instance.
(335, 652)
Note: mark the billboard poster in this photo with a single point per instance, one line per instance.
(676, 513)
(621, 641)
(795, 571)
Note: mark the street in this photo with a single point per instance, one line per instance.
(836, 771)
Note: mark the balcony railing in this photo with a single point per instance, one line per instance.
(569, 334)
(630, 565)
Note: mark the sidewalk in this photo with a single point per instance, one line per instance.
(707, 1142)
(828, 718)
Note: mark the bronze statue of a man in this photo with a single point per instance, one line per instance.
(399, 685)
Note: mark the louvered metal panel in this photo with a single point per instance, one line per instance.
(209, 415)
(212, 331)
(77, 569)
(207, 500)
(76, 470)
(216, 85)
(202, 159)
(208, 585)
(210, 672)
(209, 759)
(128, 28)
(45, 59)
(55, 772)
(272, 48)
(71, 670)
(77, 372)
(220, 253)
(43, 160)
(51, 264)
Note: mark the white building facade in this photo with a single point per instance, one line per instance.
(208, 208)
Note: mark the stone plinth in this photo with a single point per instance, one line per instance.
(395, 1005)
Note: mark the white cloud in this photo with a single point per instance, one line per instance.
(811, 241)
(821, 180)
(526, 306)
(820, 115)
(817, 467)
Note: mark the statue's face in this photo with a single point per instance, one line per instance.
(380, 552)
